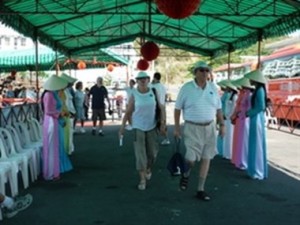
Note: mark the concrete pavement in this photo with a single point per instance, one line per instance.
(283, 147)
(101, 190)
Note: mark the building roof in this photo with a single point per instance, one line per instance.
(287, 51)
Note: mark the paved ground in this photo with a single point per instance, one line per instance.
(102, 189)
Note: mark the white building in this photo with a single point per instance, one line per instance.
(12, 40)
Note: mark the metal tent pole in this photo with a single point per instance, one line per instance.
(56, 63)
(228, 65)
(258, 66)
(37, 75)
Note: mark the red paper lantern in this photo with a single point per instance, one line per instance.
(142, 64)
(178, 9)
(110, 67)
(81, 65)
(150, 50)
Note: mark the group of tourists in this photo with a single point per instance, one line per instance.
(238, 116)
(231, 125)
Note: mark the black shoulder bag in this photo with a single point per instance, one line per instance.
(157, 110)
(177, 164)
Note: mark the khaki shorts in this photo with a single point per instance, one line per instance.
(145, 148)
(98, 113)
(200, 141)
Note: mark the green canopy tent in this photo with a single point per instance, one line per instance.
(216, 27)
(23, 60)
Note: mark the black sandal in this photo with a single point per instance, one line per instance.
(183, 183)
(203, 196)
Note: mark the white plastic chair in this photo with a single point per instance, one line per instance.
(6, 175)
(36, 127)
(34, 154)
(25, 134)
(271, 121)
(18, 162)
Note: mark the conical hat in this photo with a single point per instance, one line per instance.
(227, 83)
(221, 84)
(68, 78)
(257, 76)
(55, 83)
(245, 82)
(236, 83)
(231, 86)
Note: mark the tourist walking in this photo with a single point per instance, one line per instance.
(200, 103)
(99, 93)
(142, 107)
(79, 106)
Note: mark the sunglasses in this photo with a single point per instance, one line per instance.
(142, 78)
(203, 70)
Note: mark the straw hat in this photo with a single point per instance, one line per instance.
(55, 83)
(141, 75)
(68, 78)
(200, 64)
(257, 76)
(245, 82)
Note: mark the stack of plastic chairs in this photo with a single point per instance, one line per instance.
(6, 175)
(31, 153)
(19, 162)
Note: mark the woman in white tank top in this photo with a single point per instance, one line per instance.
(142, 108)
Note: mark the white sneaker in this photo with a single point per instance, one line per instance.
(148, 176)
(128, 127)
(178, 172)
(82, 130)
(20, 204)
(142, 185)
(165, 142)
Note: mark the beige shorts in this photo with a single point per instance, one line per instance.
(200, 141)
(145, 148)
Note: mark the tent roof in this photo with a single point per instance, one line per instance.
(217, 26)
(23, 60)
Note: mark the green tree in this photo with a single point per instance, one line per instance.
(175, 65)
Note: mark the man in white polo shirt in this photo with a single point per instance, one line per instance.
(200, 103)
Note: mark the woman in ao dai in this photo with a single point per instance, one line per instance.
(257, 155)
(241, 127)
(230, 102)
